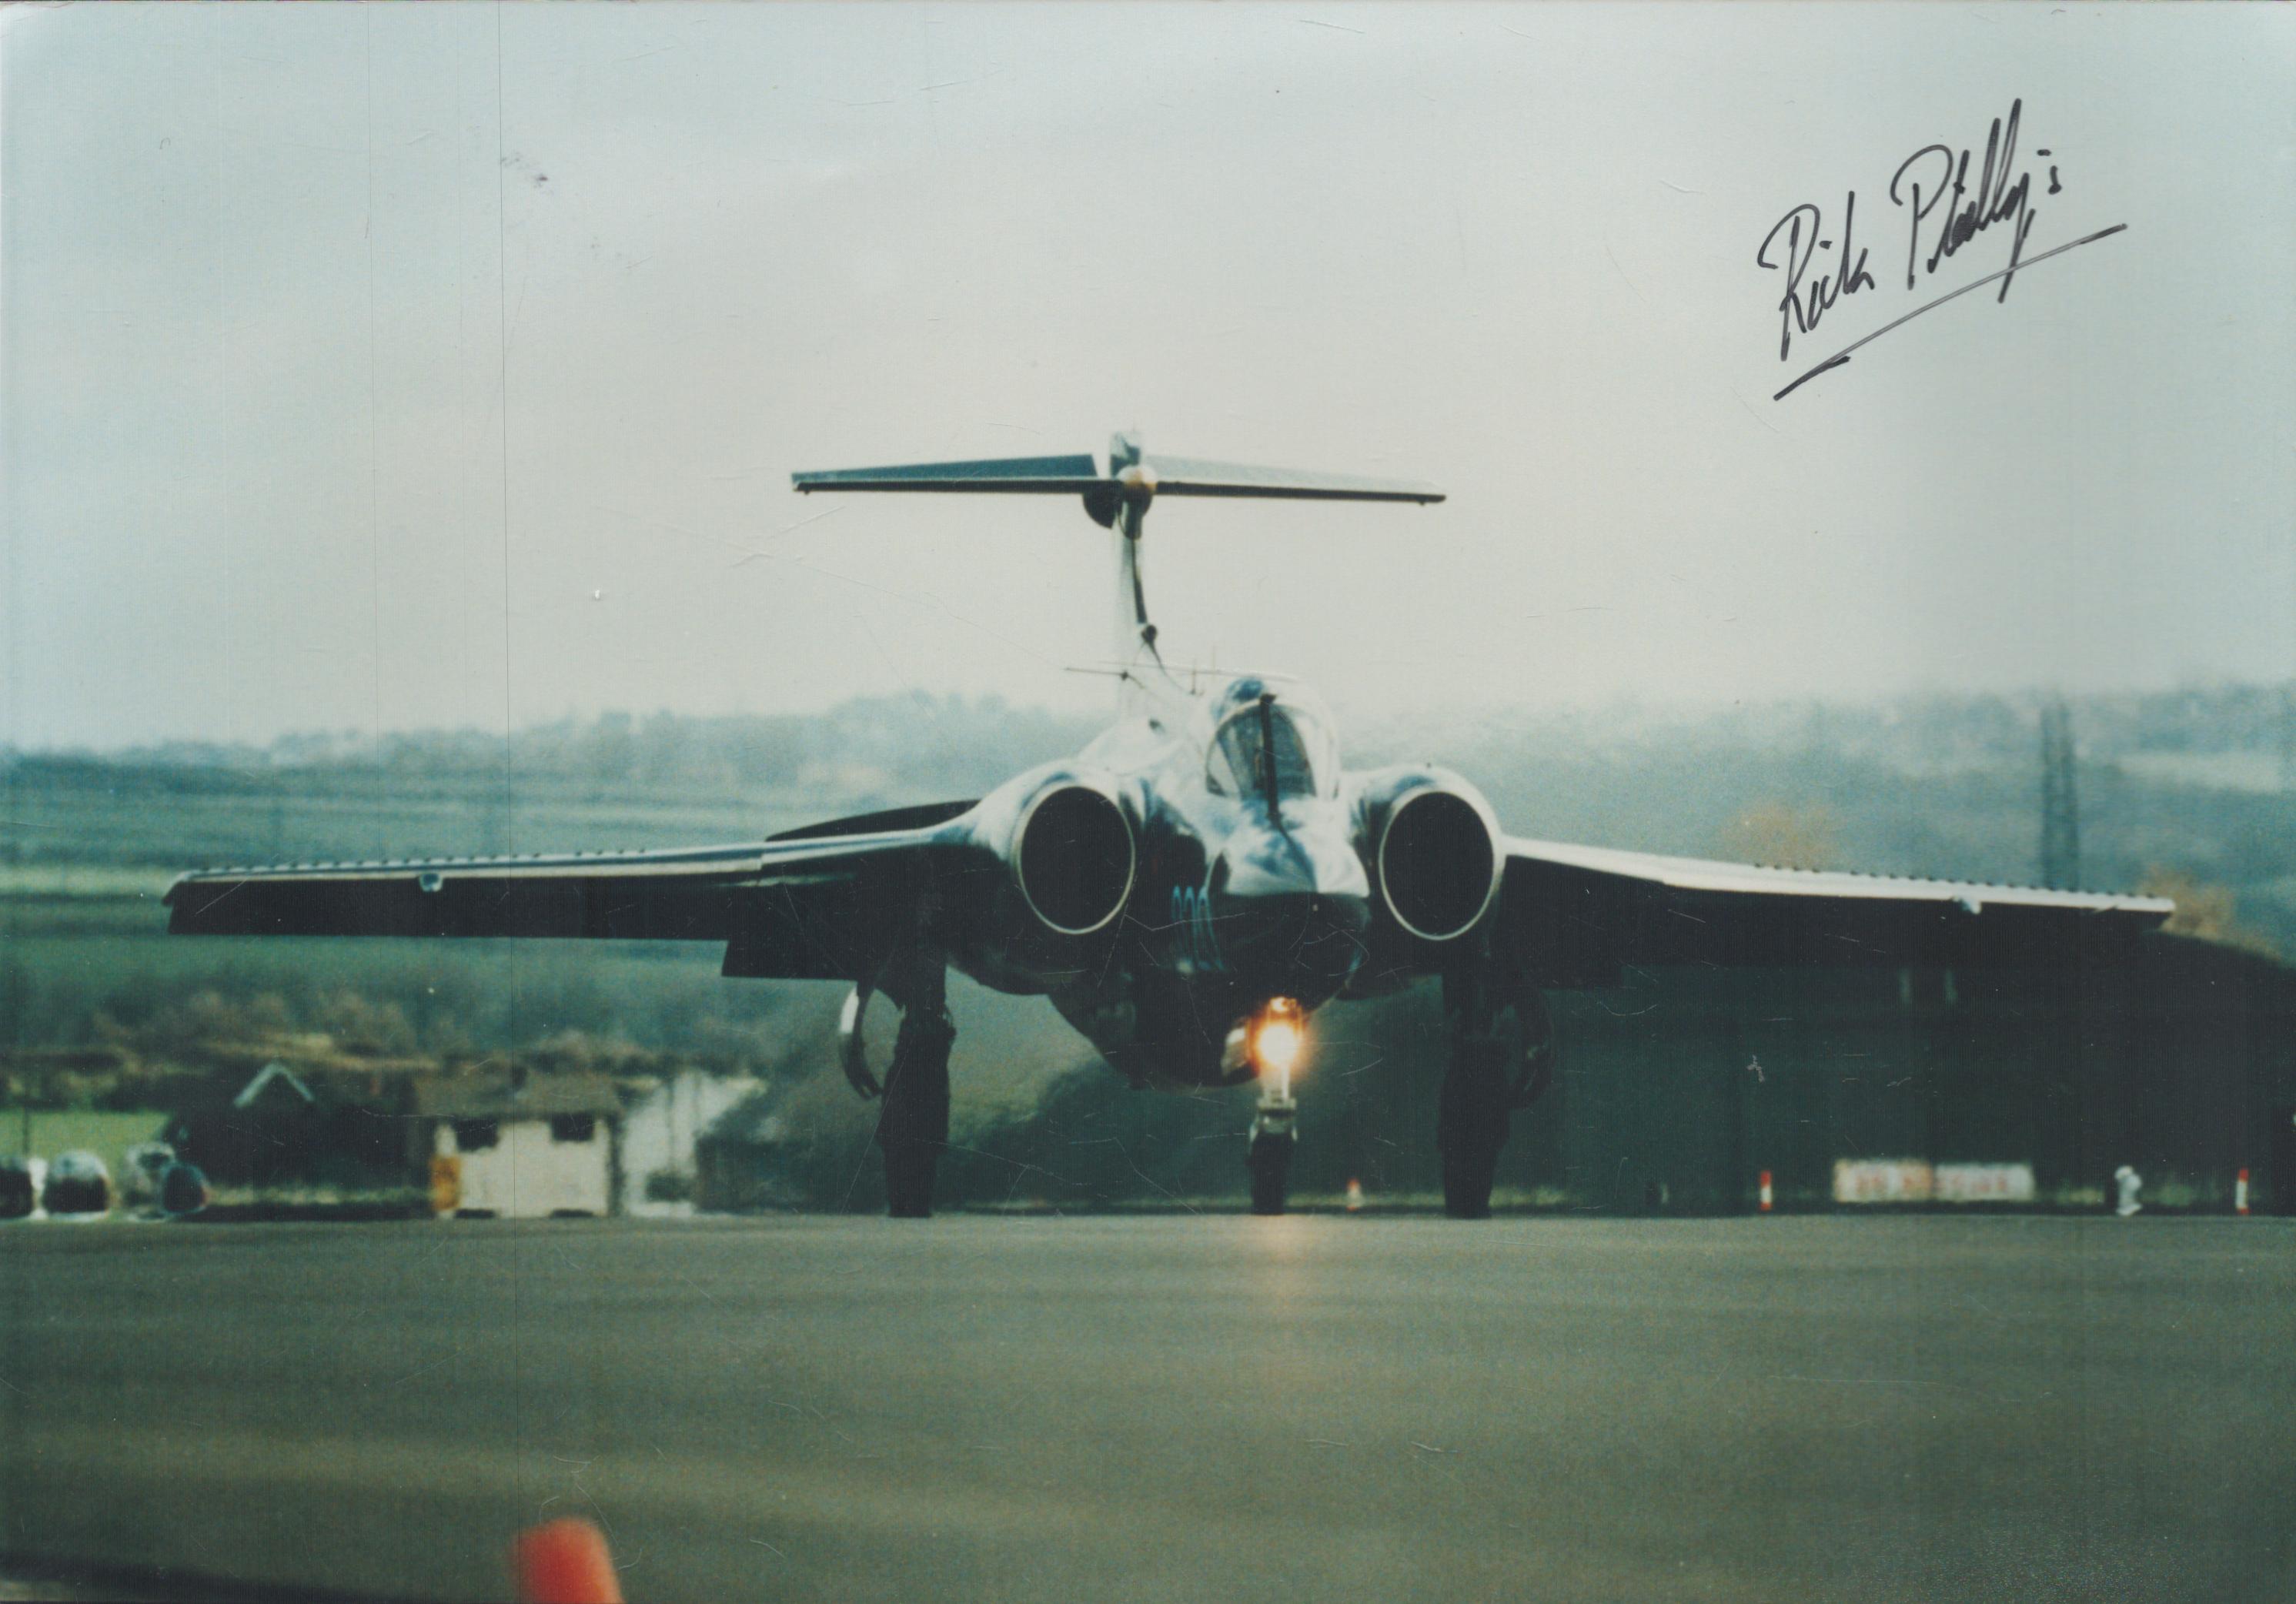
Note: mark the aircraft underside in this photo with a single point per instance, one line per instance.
(1174, 1026)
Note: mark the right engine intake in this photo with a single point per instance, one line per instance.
(1437, 860)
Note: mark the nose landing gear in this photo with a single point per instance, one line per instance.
(1272, 1042)
(1268, 1158)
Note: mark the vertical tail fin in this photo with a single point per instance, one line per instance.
(1128, 515)
(1118, 498)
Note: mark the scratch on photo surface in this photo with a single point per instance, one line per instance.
(1145, 1175)
(596, 1508)
(425, 1370)
(1622, 274)
(1757, 417)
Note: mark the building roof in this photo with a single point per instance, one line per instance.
(272, 1074)
(515, 1094)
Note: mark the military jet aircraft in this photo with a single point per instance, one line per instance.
(1188, 891)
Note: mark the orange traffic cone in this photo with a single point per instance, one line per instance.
(564, 1562)
(1355, 1196)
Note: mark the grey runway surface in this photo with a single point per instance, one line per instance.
(1169, 1408)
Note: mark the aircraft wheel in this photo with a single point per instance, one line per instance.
(1269, 1160)
(913, 1128)
(909, 1167)
(1470, 1131)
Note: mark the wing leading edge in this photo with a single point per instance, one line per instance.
(1579, 914)
(811, 905)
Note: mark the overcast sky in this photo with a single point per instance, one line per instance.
(374, 367)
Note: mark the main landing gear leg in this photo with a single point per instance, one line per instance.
(912, 1124)
(1502, 1058)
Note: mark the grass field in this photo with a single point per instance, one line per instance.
(108, 1136)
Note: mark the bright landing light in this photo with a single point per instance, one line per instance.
(1275, 1045)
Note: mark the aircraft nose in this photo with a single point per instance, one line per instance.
(1274, 864)
(1291, 913)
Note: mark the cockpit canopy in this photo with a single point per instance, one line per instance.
(1247, 742)
(1292, 733)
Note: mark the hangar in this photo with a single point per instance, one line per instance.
(1676, 1090)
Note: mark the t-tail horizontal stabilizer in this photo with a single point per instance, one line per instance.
(1133, 477)
(1024, 476)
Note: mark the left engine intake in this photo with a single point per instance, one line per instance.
(1073, 856)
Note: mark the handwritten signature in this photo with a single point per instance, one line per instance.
(1944, 208)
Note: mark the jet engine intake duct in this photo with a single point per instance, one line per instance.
(1439, 864)
(1075, 858)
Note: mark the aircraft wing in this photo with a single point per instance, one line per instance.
(817, 904)
(1579, 914)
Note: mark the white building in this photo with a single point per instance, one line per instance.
(517, 1146)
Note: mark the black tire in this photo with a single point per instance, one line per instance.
(1471, 1130)
(183, 1191)
(1269, 1160)
(912, 1126)
(912, 1130)
(17, 1197)
(78, 1195)
(909, 1169)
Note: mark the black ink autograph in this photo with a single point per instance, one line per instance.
(1932, 182)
